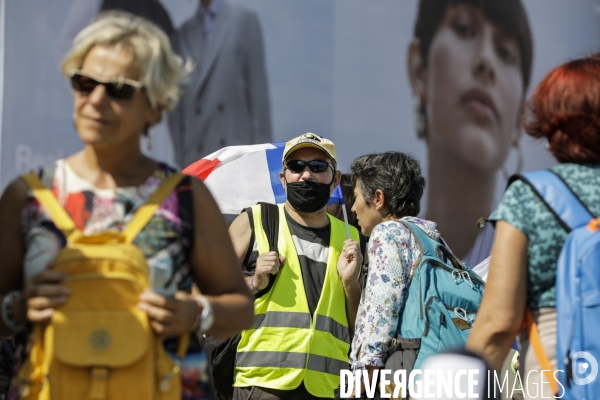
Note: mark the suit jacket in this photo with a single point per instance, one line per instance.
(226, 101)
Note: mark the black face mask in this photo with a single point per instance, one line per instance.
(308, 196)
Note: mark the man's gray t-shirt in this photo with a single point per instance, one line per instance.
(312, 246)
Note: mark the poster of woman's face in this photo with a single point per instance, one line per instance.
(469, 65)
(444, 80)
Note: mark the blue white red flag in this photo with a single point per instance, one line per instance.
(241, 176)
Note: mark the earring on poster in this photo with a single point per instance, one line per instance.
(419, 115)
(505, 173)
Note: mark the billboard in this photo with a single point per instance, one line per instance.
(344, 69)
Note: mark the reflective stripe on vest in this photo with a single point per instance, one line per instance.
(287, 347)
(290, 360)
(302, 320)
(328, 324)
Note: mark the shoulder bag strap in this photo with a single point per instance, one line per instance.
(146, 211)
(568, 209)
(57, 213)
(538, 350)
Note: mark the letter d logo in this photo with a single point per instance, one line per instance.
(583, 362)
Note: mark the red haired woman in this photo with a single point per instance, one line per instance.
(565, 111)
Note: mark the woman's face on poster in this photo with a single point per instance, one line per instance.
(472, 88)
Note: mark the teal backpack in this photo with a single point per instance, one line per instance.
(443, 298)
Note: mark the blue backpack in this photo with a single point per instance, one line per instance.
(443, 298)
(577, 288)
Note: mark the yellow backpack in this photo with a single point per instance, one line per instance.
(99, 345)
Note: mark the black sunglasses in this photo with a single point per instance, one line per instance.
(316, 166)
(120, 89)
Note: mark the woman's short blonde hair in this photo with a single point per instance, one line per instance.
(161, 69)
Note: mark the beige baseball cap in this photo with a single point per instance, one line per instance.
(310, 140)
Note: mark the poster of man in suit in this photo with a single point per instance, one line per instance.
(226, 101)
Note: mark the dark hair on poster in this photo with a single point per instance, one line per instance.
(508, 15)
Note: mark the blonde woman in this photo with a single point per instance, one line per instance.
(124, 76)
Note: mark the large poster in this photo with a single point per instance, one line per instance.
(345, 69)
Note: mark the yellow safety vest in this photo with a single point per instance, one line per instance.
(287, 345)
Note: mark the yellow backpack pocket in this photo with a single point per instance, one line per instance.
(101, 355)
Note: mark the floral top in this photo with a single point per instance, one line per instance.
(165, 240)
(393, 253)
(524, 210)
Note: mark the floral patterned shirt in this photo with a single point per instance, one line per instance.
(393, 253)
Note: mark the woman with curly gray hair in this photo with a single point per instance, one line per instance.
(388, 189)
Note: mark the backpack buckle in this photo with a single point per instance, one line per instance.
(99, 377)
(99, 373)
(456, 275)
(463, 314)
(467, 278)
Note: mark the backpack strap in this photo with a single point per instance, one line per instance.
(141, 218)
(429, 246)
(568, 209)
(269, 215)
(425, 243)
(269, 218)
(143, 215)
(57, 213)
(538, 350)
(8, 349)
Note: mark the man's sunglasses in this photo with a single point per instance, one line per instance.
(316, 166)
(119, 89)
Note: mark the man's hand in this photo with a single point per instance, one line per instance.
(349, 263)
(348, 267)
(266, 264)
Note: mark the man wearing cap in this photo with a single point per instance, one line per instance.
(308, 294)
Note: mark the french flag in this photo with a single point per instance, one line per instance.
(240, 176)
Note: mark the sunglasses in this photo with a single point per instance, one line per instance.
(316, 166)
(119, 89)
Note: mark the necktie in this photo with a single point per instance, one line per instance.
(206, 23)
